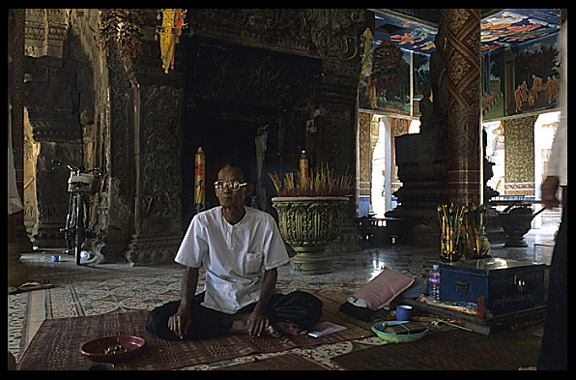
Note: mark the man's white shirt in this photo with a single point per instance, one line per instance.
(234, 256)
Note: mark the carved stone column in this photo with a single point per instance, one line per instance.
(335, 136)
(463, 64)
(155, 135)
(157, 179)
(17, 241)
(52, 128)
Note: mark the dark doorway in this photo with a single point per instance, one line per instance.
(245, 105)
(223, 141)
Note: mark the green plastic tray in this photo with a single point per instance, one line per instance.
(400, 338)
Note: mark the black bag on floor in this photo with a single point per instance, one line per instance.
(297, 307)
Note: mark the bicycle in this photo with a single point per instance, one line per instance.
(80, 186)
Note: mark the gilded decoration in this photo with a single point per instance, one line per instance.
(309, 225)
(365, 147)
(519, 147)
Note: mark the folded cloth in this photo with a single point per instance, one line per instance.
(382, 289)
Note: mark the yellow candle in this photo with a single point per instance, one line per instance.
(303, 170)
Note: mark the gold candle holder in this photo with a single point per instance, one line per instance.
(475, 244)
(450, 216)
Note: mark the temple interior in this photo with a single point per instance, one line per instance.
(418, 107)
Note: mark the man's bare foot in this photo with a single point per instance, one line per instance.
(240, 326)
(270, 330)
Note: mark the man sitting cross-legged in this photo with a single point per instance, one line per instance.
(240, 248)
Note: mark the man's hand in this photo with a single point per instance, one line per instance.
(180, 322)
(549, 188)
(256, 323)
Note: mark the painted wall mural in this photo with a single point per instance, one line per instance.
(520, 63)
(394, 71)
(523, 78)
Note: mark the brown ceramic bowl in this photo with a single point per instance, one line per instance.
(113, 348)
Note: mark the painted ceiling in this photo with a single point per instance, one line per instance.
(498, 30)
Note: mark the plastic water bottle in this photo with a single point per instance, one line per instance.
(434, 284)
(85, 255)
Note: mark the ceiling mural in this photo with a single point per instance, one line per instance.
(520, 61)
(498, 30)
(513, 26)
(409, 35)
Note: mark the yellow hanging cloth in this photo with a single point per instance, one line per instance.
(170, 31)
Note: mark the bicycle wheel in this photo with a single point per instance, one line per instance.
(80, 232)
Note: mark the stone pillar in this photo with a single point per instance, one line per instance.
(461, 28)
(51, 123)
(149, 172)
(17, 240)
(334, 140)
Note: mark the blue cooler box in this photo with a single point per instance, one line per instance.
(507, 285)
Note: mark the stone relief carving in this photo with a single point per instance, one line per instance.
(45, 31)
(323, 33)
(120, 145)
(160, 162)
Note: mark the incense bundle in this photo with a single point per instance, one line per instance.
(319, 183)
(474, 244)
(450, 217)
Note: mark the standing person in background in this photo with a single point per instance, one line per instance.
(554, 351)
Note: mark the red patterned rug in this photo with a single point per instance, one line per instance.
(453, 350)
(57, 343)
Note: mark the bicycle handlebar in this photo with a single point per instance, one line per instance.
(76, 169)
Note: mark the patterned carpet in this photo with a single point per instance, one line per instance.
(113, 288)
(57, 342)
(109, 288)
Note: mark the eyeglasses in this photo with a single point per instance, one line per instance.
(232, 185)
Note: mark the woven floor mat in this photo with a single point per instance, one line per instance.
(453, 350)
(57, 343)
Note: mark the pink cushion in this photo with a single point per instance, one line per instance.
(382, 289)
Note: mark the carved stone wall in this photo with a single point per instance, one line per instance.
(157, 213)
(142, 144)
(321, 33)
(290, 74)
(51, 123)
(45, 31)
(119, 114)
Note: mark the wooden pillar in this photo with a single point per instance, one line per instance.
(463, 66)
